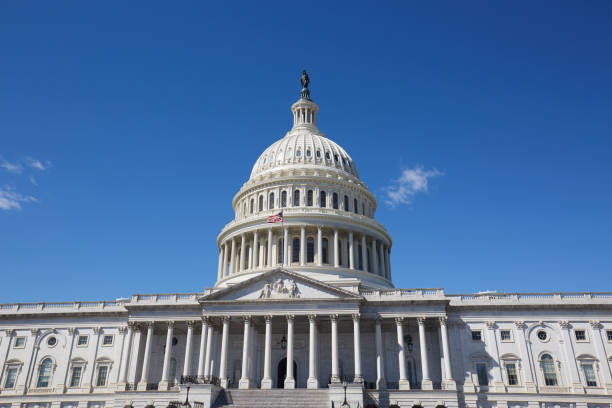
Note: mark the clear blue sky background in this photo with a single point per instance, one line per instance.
(133, 126)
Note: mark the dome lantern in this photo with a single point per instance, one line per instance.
(305, 110)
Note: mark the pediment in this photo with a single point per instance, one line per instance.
(280, 285)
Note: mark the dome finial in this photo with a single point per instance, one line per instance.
(305, 93)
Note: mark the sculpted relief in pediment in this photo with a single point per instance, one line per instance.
(280, 289)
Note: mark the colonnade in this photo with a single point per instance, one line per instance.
(207, 350)
(304, 246)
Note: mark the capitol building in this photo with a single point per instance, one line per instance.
(304, 313)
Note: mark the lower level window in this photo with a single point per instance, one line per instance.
(483, 376)
(44, 375)
(11, 377)
(512, 374)
(102, 373)
(75, 379)
(548, 369)
(589, 375)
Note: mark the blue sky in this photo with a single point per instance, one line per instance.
(127, 128)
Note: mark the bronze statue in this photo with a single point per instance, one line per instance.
(305, 81)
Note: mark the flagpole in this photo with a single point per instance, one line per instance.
(283, 239)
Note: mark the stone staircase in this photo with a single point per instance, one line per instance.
(275, 398)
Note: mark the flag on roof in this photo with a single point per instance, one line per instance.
(275, 218)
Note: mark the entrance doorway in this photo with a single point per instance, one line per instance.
(282, 373)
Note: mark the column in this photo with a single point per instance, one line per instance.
(598, 337)
(570, 357)
(164, 383)
(220, 266)
(335, 374)
(223, 363)
(364, 253)
(303, 246)
(491, 341)
(404, 384)
(426, 383)
(225, 255)
(449, 382)
(336, 249)
(203, 348)
(126, 359)
(232, 269)
(266, 382)
(351, 251)
(209, 346)
(270, 240)
(357, 348)
(290, 380)
(526, 360)
(313, 381)
(374, 258)
(144, 379)
(285, 250)
(188, 342)
(133, 362)
(244, 378)
(255, 250)
(381, 260)
(242, 252)
(381, 383)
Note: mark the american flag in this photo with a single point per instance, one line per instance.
(275, 218)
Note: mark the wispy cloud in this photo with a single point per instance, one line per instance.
(11, 167)
(411, 182)
(37, 164)
(12, 200)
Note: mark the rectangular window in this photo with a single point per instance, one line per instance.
(11, 377)
(476, 335)
(82, 341)
(589, 375)
(20, 342)
(102, 371)
(512, 374)
(107, 340)
(75, 380)
(483, 376)
(609, 334)
(506, 335)
(580, 335)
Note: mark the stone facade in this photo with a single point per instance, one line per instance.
(309, 303)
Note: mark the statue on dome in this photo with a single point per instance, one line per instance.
(305, 80)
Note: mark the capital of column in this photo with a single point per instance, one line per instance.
(9, 332)
(205, 319)
(421, 320)
(122, 329)
(312, 318)
(520, 324)
(71, 331)
(443, 320)
(226, 318)
(398, 320)
(564, 324)
(356, 317)
(290, 317)
(246, 319)
(490, 325)
(190, 323)
(334, 317)
(96, 330)
(268, 318)
(170, 324)
(594, 324)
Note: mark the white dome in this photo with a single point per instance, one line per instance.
(303, 150)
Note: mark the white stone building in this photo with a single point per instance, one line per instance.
(315, 291)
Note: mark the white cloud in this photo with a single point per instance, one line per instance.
(11, 167)
(411, 182)
(11, 200)
(33, 180)
(37, 164)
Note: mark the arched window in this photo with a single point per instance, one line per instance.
(346, 203)
(283, 199)
(44, 375)
(322, 199)
(310, 250)
(325, 249)
(548, 369)
(355, 205)
(309, 198)
(271, 202)
(295, 249)
(296, 198)
(260, 203)
(252, 205)
(335, 201)
(362, 209)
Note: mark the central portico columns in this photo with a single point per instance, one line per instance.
(357, 348)
(244, 379)
(380, 358)
(426, 383)
(449, 382)
(164, 383)
(144, 379)
(290, 380)
(335, 374)
(224, 380)
(313, 381)
(266, 382)
(404, 384)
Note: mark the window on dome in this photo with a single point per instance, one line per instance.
(271, 158)
(327, 156)
(264, 161)
(310, 250)
(322, 199)
(260, 203)
(279, 251)
(360, 256)
(336, 158)
(295, 250)
(271, 202)
(325, 249)
(362, 209)
(346, 203)
(335, 201)
(355, 205)
(298, 153)
(369, 260)
(318, 154)
(344, 161)
(340, 249)
(252, 205)
(308, 153)
(309, 198)
(283, 199)
(296, 198)
(246, 256)
(288, 154)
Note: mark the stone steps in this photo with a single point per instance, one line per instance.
(275, 398)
